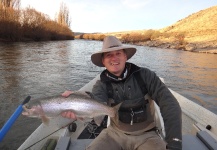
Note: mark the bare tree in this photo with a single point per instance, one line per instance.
(32, 18)
(63, 15)
(9, 9)
(15, 4)
(28, 24)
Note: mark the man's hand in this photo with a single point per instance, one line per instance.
(67, 93)
(68, 114)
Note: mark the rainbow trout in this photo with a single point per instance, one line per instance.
(79, 103)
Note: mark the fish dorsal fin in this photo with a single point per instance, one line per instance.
(83, 93)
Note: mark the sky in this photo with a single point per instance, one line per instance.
(120, 15)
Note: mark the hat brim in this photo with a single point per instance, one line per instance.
(96, 58)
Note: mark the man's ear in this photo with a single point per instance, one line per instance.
(103, 61)
(125, 55)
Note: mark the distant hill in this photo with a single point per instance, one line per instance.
(78, 33)
(199, 28)
(200, 21)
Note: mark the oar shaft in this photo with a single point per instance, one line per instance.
(12, 119)
(10, 122)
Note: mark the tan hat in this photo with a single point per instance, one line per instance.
(111, 43)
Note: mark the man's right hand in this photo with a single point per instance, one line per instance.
(68, 114)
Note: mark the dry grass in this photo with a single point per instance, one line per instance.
(29, 24)
(199, 28)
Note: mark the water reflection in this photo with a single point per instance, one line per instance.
(193, 75)
(10, 61)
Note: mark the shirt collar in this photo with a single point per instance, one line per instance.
(116, 78)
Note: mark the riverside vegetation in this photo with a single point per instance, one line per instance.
(30, 25)
(196, 33)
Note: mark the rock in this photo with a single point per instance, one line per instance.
(190, 47)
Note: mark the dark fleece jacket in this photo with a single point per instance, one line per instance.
(169, 107)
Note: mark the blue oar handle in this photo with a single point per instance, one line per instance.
(12, 119)
(26, 100)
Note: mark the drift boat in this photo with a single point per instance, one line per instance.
(199, 128)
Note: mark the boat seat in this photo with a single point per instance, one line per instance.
(65, 143)
(80, 144)
(207, 139)
(201, 141)
(191, 142)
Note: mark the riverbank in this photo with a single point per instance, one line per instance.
(148, 38)
(192, 47)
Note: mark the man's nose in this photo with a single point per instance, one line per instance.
(114, 57)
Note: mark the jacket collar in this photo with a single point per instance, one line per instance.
(106, 76)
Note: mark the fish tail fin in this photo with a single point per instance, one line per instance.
(115, 109)
(26, 112)
(115, 117)
(45, 120)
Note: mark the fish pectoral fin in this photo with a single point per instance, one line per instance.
(98, 120)
(45, 120)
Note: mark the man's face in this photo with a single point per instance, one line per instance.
(115, 61)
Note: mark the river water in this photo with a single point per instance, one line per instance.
(41, 69)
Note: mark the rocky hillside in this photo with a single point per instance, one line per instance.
(199, 31)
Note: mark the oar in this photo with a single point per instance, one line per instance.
(12, 119)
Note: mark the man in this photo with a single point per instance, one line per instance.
(126, 83)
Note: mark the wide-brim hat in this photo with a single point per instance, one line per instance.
(111, 43)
